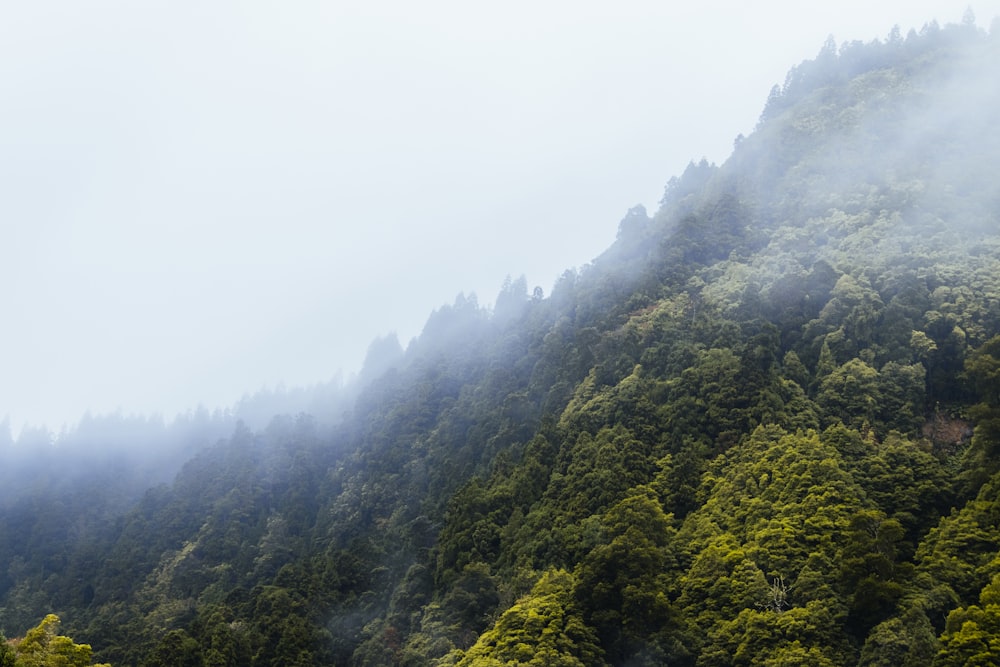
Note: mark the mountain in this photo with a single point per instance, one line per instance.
(762, 429)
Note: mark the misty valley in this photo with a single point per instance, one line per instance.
(762, 428)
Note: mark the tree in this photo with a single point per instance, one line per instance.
(382, 355)
(869, 569)
(901, 393)
(544, 628)
(851, 394)
(795, 370)
(623, 584)
(511, 301)
(764, 637)
(982, 369)
(42, 647)
(960, 551)
(176, 649)
(8, 658)
(972, 635)
(721, 582)
(907, 640)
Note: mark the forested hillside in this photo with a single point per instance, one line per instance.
(763, 428)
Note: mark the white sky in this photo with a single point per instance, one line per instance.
(198, 199)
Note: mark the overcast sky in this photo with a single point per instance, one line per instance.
(199, 199)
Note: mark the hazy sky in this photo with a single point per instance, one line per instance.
(198, 199)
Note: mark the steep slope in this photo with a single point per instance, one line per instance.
(741, 436)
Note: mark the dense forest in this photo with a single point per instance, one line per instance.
(762, 428)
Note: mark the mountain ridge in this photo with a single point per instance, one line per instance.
(713, 445)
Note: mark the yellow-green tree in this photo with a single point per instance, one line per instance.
(42, 647)
(972, 634)
(544, 628)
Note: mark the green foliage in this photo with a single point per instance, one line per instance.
(799, 636)
(870, 569)
(176, 649)
(8, 658)
(784, 495)
(623, 585)
(961, 551)
(982, 368)
(972, 635)
(907, 640)
(721, 582)
(543, 628)
(902, 478)
(850, 394)
(42, 647)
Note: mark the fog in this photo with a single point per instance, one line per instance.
(197, 201)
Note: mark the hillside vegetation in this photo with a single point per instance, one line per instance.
(763, 428)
